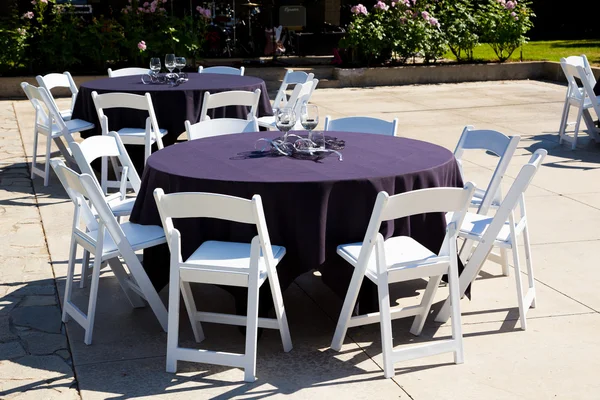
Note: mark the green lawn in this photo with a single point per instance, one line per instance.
(544, 50)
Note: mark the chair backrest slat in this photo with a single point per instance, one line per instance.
(219, 126)
(362, 125)
(291, 78)
(230, 98)
(42, 100)
(222, 70)
(127, 72)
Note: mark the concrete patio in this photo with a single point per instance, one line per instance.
(557, 357)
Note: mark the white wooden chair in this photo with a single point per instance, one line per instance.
(49, 122)
(300, 95)
(503, 147)
(231, 98)
(362, 125)
(98, 232)
(120, 204)
(127, 72)
(64, 80)
(501, 230)
(576, 96)
(133, 136)
(222, 70)
(219, 126)
(291, 77)
(224, 263)
(400, 259)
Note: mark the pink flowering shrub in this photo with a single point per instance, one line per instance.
(504, 24)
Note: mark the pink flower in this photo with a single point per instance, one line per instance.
(393, 4)
(407, 3)
(29, 15)
(164, 1)
(153, 9)
(162, 10)
(140, 9)
(21, 31)
(33, 2)
(509, 5)
(381, 5)
(124, 11)
(146, 4)
(425, 15)
(44, 1)
(142, 45)
(207, 13)
(359, 9)
(434, 22)
(513, 14)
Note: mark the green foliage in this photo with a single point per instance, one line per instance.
(410, 28)
(460, 27)
(504, 25)
(50, 37)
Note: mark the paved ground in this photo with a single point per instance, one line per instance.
(556, 358)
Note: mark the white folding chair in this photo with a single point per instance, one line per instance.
(300, 95)
(503, 147)
(362, 125)
(219, 126)
(109, 242)
(291, 77)
(576, 96)
(501, 230)
(50, 123)
(64, 80)
(230, 98)
(222, 70)
(223, 263)
(133, 136)
(120, 204)
(400, 259)
(127, 72)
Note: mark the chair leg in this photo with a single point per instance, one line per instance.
(91, 314)
(251, 327)
(69, 282)
(519, 286)
(419, 322)
(529, 262)
(280, 313)
(34, 155)
(85, 264)
(563, 121)
(173, 323)
(47, 161)
(190, 306)
(457, 336)
(349, 302)
(385, 321)
(505, 266)
(577, 123)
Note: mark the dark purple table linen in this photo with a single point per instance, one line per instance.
(310, 207)
(172, 105)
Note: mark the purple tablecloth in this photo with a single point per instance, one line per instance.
(310, 207)
(172, 105)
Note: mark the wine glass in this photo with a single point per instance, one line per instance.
(155, 65)
(180, 63)
(285, 119)
(170, 63)
(309, 118)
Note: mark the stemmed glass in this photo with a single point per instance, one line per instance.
(309, 118)
(170, 63)
(155, 65)
(285, 119)
(180, 63)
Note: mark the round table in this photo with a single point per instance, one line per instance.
(310, 207)
(172, 105)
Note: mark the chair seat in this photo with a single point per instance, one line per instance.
(475, 225)
(401, 253)
(136, 135)
(139, 236)
(73, 125)
(267, 121)
(120, 207)
(229, 255)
